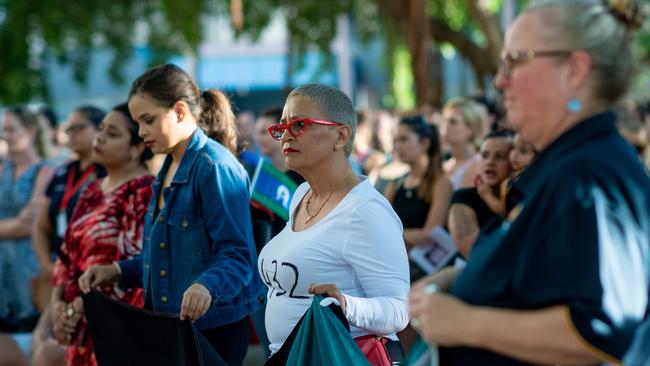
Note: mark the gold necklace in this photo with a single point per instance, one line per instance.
(310, 216)
(308, 201)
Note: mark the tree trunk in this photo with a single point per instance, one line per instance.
(288, 82)
(412, 18)
(489, 24)
(418, 40)
(437, 76)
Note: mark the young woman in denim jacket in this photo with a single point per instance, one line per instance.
(198, 256)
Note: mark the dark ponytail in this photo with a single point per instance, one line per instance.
(419, 126)
(434, 169)
(217, 119)
(168, 84)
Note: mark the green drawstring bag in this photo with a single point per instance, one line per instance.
(322, 339)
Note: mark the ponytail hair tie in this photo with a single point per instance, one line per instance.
(628, 12)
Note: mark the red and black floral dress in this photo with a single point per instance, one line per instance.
(103, 228)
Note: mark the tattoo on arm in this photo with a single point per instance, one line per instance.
(462, 221)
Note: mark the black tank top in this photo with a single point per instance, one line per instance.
(410, 208)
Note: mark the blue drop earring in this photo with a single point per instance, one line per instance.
(574, 105)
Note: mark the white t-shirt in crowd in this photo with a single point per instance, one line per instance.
(359, 247)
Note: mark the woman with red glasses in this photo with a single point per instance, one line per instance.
(343, 238)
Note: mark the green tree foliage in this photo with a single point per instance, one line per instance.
(310, 25)
(34, 31)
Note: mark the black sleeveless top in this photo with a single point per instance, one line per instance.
(410, 208)
(413, 211)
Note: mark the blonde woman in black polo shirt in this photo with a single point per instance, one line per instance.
(564, 279)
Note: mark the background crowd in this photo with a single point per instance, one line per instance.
(448, 168)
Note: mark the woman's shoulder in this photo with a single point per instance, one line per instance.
(89, 197)
(93, 188)
(467, 196)
(590, 166)
(43, 171)
(134, 194)
(302, 189)
(442, 182)
(62, 170)
(214, 157)
(217, 153)
(369, 218)
(368, 204)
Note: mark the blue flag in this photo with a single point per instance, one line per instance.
(272, 188)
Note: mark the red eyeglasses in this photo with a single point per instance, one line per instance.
(296, 127)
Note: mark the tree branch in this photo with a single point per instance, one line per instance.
(482, 63)
(488, 23)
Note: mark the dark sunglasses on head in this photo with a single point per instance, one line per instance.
(296, 127)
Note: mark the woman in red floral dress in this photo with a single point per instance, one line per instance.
(106, 226)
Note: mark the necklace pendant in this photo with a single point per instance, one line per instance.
(308, 219)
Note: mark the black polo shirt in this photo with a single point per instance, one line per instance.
(580, 237)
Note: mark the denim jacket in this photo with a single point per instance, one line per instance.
(202, 235)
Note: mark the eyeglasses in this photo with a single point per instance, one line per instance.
(296, 127)
(511, 59)
(78, 127)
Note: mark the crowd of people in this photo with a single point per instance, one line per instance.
(544, 199)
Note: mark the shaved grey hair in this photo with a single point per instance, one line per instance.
(334, 104)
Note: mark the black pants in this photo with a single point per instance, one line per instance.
(230, 341)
